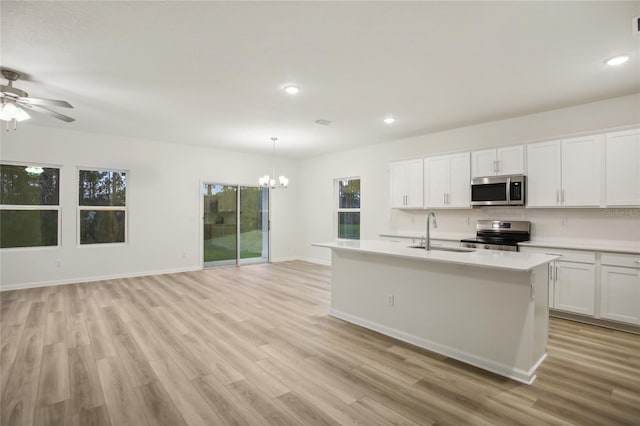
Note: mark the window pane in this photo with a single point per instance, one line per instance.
(101, 226)
(102, 188)
(28, 228)
(349, 225)
(349, 193)
(19, 187)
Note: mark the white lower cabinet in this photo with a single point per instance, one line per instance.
(574, 287)
(572, 280)
(620, 288)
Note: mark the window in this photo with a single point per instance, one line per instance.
(348, 208)
(102, 206)
(29, 206)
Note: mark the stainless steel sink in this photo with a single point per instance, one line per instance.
(441, 248)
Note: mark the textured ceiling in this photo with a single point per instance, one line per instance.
(211, 73)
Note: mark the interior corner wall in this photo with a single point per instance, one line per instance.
(371, 163)
(163, 201)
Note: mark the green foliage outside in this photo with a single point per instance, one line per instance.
(349, 231)
(224, 248)
(28, 228)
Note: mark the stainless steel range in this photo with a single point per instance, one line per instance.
(499, 235)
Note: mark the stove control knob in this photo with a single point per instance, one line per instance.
(487, 246)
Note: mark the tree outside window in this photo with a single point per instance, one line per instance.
(348, 208)
(102, 205)
(29, 206)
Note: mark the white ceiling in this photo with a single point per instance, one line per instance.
(211, 73)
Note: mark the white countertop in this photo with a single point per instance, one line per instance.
(482, 258)
(434, 235)
(588, 245)
(570, 244)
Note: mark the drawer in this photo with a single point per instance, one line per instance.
(578, 256)
(615, 259)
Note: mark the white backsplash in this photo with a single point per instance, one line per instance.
(621, 225)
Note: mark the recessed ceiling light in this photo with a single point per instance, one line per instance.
(617, 60)
(291, 89)
(389, 120)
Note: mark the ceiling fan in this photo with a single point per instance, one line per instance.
(14, 101)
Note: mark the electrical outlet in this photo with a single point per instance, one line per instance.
(390, 299)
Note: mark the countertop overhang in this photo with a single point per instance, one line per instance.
(481, 258)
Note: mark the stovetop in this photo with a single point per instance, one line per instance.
(494, 240)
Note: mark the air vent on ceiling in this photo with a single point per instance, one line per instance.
(636, 25)
(323, 122)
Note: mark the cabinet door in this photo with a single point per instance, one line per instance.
(436, 184)
(623, 168)
(459, 194)
(543, 174)
(398, 172)
(415, 184)
(510, 160)
(575, 287)
(483, 163)
(582, 171)
(620, 294)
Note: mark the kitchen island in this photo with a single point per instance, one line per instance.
(485, 308)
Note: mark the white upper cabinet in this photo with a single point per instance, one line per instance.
(543, 174)
(407, 184)
(508, 160)
(582, 168)
(622, 167)
(447, 181)
(565, 173)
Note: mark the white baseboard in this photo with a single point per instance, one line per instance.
(318, 261)
(284, 259)
(97, 278)
(516, 374)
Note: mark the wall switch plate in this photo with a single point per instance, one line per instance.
(390, 299)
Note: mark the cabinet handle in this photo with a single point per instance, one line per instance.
(562, 195)
(444, 198)
(557, 196)
(637, 261)
(495, 165)
(556, 273)
(406, 200)
(550, 272)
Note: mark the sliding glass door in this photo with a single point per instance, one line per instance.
(235, 224)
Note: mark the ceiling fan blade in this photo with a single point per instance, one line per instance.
(45, 110)
(45, 102)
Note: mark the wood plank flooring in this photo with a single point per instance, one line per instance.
(254, 346)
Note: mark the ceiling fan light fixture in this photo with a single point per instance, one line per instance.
(10, 112)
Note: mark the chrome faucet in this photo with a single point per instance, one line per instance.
(427, 243)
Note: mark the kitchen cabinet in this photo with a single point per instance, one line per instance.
(566, 173)
(620, 288)
(507, 160)
(622, 165)
(447, 181)
(574, 287)
(407, 182)
(572, 280)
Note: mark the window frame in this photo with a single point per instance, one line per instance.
(338, 209)
(37, 207)
(80, 208)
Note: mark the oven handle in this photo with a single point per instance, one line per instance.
(508, 190)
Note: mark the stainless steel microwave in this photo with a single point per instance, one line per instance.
(498, 190)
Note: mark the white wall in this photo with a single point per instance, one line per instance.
(371, 164)
(164, 202)
(162, 196)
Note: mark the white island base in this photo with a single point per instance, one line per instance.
(490, 317)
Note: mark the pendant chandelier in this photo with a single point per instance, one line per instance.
(267, 181)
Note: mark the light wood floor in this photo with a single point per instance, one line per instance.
(254, 345)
